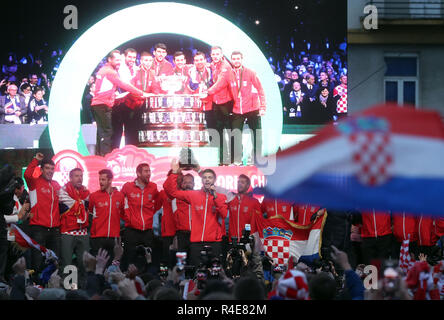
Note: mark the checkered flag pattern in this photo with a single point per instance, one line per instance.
(293, 286)
(373, 157)
(341, 105)
(278, 250)
(405, 260)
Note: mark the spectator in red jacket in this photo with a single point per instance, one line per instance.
(103, 101)
(208, 211)
(44, 224)
(141, 203)
(404, 227)
(242, 208)
(74, 219)
(376, 235)
(182, 214)
(107, 207)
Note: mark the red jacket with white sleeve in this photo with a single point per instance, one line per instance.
(208, 212)
(221, 70)
(241, 208)
(75, 217)
(140, 205)
(168, 225)
(246, 89)
(182, 214)
(107, 81)
(427, 231)
(44, 198)
(274, 207)
(375, 224)
(405, 224)
(107, 210)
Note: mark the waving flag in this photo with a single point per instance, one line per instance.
(282, 239)
(405, 260)
(384, 158)
(24, 241)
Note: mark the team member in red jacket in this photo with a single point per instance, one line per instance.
(44, 224)
(273, 207)
(303, 213)
(249, 104)
(182, 214)
(141, 203)
(107, 81)
(181, 68)
(161, 66)
(74, 219)
(376, 234)
(222, 101)
(168, 227)
(404, 227)
(200, 78)
(208, 211)
(241, 208)
(427, 235)
(107, 207)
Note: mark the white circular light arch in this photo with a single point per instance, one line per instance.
(142, 20)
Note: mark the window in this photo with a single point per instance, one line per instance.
(401, 79)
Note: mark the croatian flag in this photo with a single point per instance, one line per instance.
(384, 158)
(282, 239)
(24, 241)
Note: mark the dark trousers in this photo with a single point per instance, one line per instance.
(376, 248)
(222, 115)
(47, 237)
(3, 256)
(183, 240)
(74, 244)
(197, 247)
(131, 119)
(167, 257)
(254, 123)
(104, 243)
(133, 238)
(102, 115)
(355, 253)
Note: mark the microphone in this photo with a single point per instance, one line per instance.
(213, 193)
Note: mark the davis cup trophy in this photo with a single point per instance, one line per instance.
(173, 118)
(186, 159)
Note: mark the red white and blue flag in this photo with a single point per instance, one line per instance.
(384, 158)
(25, 241)
(282, 239)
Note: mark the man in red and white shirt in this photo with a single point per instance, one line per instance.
(141, 203)
(107, 82)
(161, 66)
(209, 209)
(44, 224)
(340, 92)
(122, 113)
(74, 219)
(182, 214)
(241, 208)
(107, 207)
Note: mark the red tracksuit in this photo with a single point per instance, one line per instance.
(303, 213)
(426, 231)
(140, 205)
(223, 93)
(208, 212)
(44, 198)
(107, 210)
(164, 68)
(242, 208)
(168, 225)
(143, 80)
(106, 84)
(273, 207)
(182, 215)
(375, 224)
(404, 224)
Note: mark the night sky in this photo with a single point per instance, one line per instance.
(32, 26)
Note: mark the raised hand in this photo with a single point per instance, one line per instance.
(101, 260)
(39, 156)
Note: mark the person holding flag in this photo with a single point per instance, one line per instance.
(274, 207)
(44, 224)
(74, 221)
